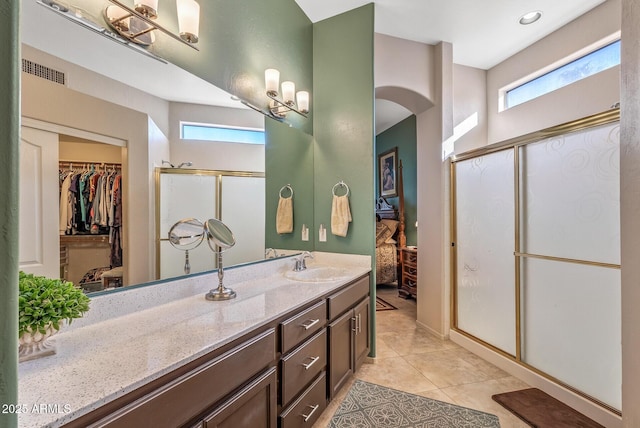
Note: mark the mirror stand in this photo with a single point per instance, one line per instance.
(221, 293)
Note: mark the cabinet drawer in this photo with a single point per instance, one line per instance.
(306, 410)
(175, 403)
(345, 299)
(304, 325)
(302, 365)
(410, 256)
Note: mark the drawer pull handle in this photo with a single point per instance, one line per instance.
(354, 323)
(313, 410)
(308, 365)
(310, 323)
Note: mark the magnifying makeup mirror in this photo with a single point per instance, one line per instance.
(186, 235)
(219, 239)
(218, 234)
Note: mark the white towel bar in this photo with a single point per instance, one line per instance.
(340, 184)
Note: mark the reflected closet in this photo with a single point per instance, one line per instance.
(90, 180)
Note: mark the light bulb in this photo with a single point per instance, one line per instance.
(288, 92)
(271, 81)
(148, 8)
(188, 20)
(303, 101)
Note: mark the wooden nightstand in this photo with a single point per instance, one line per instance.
(408, 281)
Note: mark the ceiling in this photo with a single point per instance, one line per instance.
(483, 33)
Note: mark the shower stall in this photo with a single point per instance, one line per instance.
(536, 253)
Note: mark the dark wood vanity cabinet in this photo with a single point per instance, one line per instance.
(348, 333)
(198, 391)
(281, 375)
(361, 335)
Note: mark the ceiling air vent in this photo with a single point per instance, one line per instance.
(43, 72)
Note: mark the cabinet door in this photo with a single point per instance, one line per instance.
(255, 406)
(362, 344)
(341, 363)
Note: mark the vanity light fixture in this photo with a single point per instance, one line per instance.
(530, 18)
(137, 24)
(290, 101)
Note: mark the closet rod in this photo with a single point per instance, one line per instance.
(112, 165)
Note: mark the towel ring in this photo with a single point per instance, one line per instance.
(288, 186)
(340, 184)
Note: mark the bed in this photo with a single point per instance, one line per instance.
(389, 235)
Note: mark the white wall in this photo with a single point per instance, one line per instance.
(469, 107)
(211, 154)
(630, 209)
(433, 127)
(586, 97)
(99, 86)
(158, 151)
(88, 151)
(403, 72)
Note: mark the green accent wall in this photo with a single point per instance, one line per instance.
(343, 106)
(343, 89)
(403, 135)
(288, 160)
(9, 176)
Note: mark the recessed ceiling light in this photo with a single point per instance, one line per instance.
(530, 18)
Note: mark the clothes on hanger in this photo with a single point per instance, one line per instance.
(91, 204)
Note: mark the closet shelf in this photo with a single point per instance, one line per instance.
(69, 239)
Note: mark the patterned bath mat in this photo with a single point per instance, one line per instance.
(383, 305)
(375, 406)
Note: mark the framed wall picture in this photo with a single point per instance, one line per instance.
(387, 167)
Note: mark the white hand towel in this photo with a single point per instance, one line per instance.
(284, 215)
(340, 215)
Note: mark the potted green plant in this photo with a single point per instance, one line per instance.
(43, 305)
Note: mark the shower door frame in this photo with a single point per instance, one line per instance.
(514, 144)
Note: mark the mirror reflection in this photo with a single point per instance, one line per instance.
(220, 235)
(102, 117)
(234, 197)
(186, 235)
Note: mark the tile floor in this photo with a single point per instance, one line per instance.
(411, 359)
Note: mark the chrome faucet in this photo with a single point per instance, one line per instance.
(300, 261)
(270, 253)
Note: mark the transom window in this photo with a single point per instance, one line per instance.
(592, 63)
(227, 134)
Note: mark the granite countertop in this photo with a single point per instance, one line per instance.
(113, 354)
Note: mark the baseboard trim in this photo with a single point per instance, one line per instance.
(431, 330)
(581, 404)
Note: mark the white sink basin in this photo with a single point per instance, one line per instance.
(317, 274)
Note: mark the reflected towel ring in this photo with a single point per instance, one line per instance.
(340, 184)
(288, 186)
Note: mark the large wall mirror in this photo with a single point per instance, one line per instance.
(138, 125)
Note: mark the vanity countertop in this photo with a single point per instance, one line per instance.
(100, 361)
